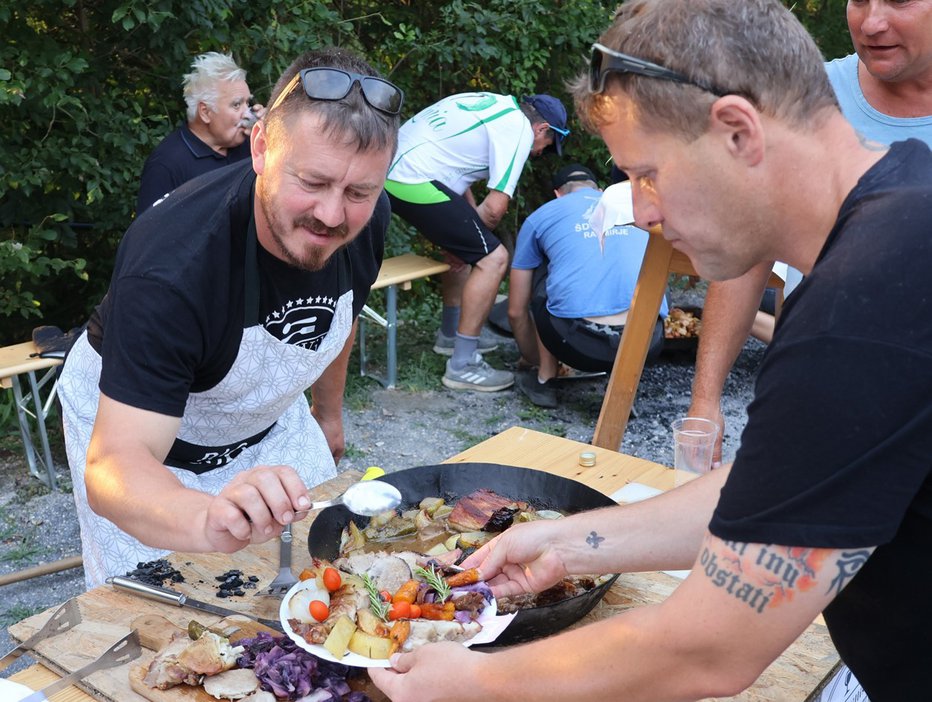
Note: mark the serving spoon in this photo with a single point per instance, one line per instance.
(366, 498)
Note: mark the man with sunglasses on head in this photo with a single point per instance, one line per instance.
(186, 422)
(216, 134)
(723, 117)
(442, 151)
(884, 91)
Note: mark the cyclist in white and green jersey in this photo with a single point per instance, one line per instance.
(442, 151)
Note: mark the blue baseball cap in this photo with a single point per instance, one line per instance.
(552, 110)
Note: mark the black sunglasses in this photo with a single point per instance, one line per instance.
(335, 84)
(605, 61)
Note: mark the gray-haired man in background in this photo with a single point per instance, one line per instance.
(215, 135)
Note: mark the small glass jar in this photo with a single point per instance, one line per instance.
(587, 459)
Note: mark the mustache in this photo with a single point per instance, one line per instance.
(308, 222)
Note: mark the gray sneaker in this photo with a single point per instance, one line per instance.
(541, 394)
(477, 375)
(444, 344)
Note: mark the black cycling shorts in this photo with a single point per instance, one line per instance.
(444, 218)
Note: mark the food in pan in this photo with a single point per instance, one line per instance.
(681, 324)
(449, 533)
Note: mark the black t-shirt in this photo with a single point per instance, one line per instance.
(837, 449)
(178, 158)
(173, 318)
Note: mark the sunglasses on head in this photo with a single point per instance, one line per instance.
(335, 84)
(605, 61)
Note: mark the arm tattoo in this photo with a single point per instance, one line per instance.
(788, 570)
(848, 564)
(594, 539)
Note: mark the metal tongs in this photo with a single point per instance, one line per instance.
(123, 651)
(65, 617)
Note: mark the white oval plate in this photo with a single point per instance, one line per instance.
(492, 626)
(13, 691)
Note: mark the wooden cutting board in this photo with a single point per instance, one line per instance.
(155, 632)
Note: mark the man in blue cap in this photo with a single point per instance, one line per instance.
(442, 151)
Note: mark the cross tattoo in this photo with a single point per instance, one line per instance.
(594, 539)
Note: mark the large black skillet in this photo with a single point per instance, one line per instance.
(453, 480)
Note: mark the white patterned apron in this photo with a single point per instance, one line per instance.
(258, 413)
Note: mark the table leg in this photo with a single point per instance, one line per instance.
(635, 342)
(23, 413)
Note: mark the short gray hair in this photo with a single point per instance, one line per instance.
(200, 85)
(350, 119)
(753, 48)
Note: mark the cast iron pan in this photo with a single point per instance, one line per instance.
(454, 480)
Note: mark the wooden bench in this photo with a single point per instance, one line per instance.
(22, 360)
(396, 271)
(660, 259)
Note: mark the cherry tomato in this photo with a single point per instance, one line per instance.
(307, 574)
(415, 611)
(332, 579)
(319, 610)
(385, 595)
(400, 610)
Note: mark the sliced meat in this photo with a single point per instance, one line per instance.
(473, 512)
(423, 632)
(232, 684)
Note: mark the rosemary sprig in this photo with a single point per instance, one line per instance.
(379, 608)
(436, 581)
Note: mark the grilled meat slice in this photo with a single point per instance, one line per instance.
(473, 512)
(423, 632)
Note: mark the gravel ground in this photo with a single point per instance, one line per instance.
(393, 429)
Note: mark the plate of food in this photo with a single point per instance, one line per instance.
(449, 510)
(359, 610)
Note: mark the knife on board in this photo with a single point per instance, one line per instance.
(179, 599)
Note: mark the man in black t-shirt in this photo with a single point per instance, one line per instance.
(722, 115)
(186, 422)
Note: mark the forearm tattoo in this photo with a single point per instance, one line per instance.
(594, 539)
(766, 576)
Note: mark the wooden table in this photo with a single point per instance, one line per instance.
(660, 260)
(31, 411)
(794, 677)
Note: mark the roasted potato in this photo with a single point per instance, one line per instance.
(338, 640)
(370, 646)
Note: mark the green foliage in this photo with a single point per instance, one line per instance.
(88, 88)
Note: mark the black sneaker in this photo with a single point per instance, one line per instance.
(541, 394)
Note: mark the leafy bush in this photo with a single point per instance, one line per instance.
(89, 87)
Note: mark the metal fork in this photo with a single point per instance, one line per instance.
(123, 651)
(285, 578)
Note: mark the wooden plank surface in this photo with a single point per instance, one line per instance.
(16, 359)
(107, 613)
(407, 267)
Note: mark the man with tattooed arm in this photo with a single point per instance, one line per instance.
(723, 117)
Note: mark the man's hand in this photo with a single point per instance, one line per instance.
(712, 411)
(522, 559)
(254, 506)
(426, 674)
